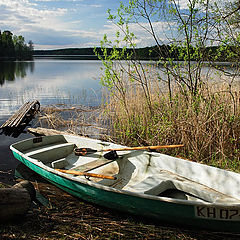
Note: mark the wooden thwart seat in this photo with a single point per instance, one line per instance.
(48, 148)
(53, 154)
(92, 165)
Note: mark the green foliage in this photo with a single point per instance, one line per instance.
(206, 124)
(190, 46)
(176, 106)
(14, 47)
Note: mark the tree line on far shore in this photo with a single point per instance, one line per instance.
(13, 47)
(213, 53)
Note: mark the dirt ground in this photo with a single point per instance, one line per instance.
(67, 217)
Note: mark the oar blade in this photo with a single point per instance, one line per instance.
(112, 155)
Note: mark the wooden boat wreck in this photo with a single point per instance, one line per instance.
(141, 182)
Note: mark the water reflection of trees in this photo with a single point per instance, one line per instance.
(9, 71)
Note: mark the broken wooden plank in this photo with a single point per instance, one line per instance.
(11, 119)
(28, 108)
(31, 109)
(18, 121)
(47, 132)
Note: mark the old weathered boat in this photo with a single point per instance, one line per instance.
(141, 182)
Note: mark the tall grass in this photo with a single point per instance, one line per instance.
(71, 118)
(207, 123)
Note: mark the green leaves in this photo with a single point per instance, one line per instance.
(14, 47)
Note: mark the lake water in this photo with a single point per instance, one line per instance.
(50, 81)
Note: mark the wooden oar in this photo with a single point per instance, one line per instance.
(84, 151)
(86, 174)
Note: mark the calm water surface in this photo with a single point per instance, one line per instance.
(50, 81)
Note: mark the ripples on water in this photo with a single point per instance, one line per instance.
(51, 81)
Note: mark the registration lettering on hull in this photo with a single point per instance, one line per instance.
(218, 213)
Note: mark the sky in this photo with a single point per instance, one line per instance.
(55, 24)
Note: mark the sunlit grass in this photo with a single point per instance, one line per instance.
(207, 124)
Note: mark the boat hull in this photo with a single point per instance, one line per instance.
(213, 217)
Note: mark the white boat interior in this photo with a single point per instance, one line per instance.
(139, 171)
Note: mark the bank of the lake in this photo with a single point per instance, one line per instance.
(65, 89)
(69, 218)
(65, 80)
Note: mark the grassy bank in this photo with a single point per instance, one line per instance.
(68, 218)
(208, 123)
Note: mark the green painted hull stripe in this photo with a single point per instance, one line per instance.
(169, 212)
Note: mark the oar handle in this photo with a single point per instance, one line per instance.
(85, 151)
(143, 148)
(86, 174)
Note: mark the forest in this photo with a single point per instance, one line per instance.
(163, 52)
(13, 47)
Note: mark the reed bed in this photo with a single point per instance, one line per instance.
(72, 118)
(208, 123)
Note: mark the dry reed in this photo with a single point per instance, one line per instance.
(208, 124)
(75, 119)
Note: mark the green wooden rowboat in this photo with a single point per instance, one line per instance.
(144, 183)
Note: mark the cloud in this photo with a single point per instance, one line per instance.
(79, 2)
(22, 12)
(142, 32)
(26, 17)
(183, 4)
(47, 24)
(89, 38)
(67, 23)
(90, 5)
(59, 1)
